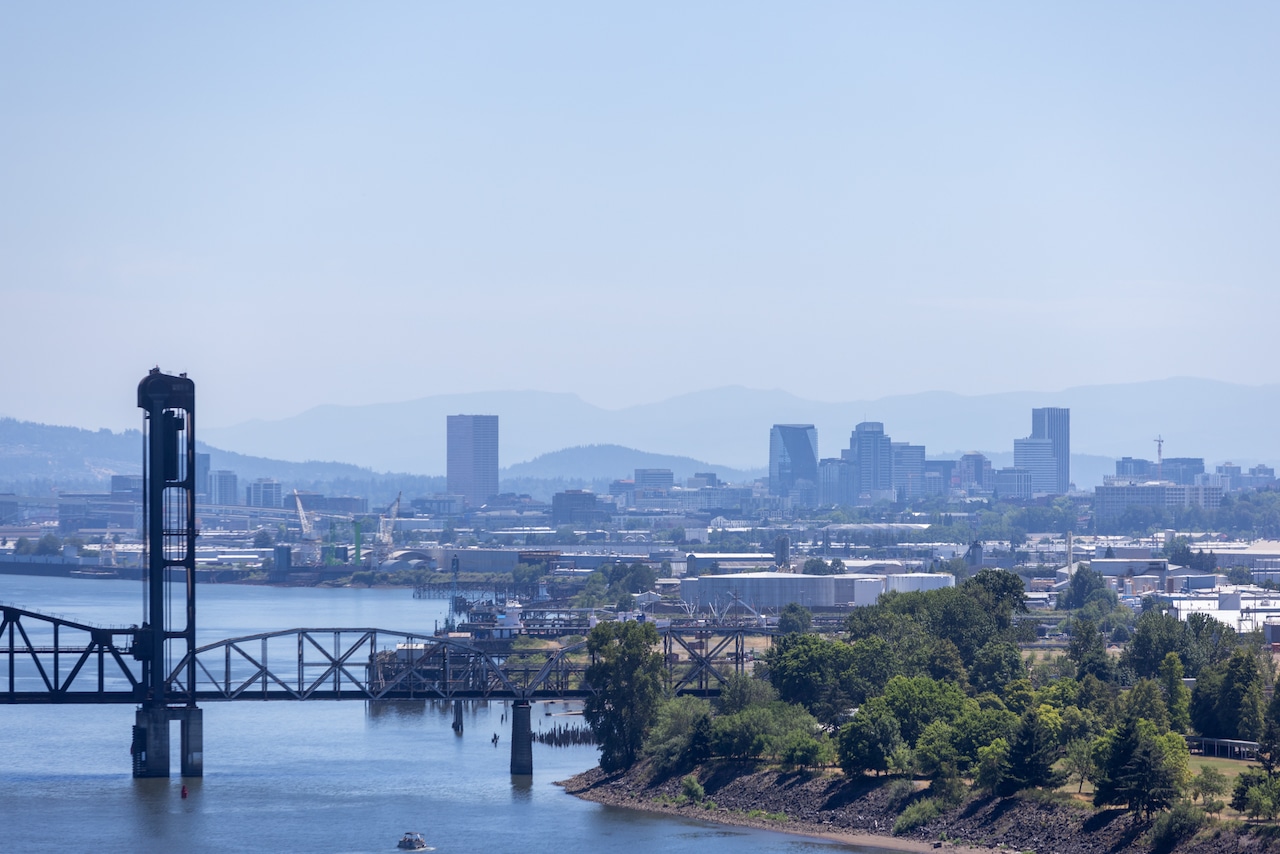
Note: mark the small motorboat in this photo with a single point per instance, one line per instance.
(412, 842)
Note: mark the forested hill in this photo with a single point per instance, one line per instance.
(36, 458)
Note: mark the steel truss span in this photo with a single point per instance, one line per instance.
(62, 661)
(50, 660)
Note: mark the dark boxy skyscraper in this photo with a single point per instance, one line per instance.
(793, 458)
(472, 467)
(1054, 423)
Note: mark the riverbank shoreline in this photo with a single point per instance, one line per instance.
(863, 811)
(624, 791)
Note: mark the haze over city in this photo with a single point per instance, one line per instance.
(302, 205)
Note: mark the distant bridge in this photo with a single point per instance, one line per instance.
(52, 660)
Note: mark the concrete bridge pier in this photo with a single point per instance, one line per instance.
(457, 717)
(191, 724)
(150, 747)
(521, 739)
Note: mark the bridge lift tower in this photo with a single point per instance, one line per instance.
(169, 519)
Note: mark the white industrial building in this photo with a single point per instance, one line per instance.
(775, 590)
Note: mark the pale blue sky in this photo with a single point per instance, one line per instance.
(324, 203)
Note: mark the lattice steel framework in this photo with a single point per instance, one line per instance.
(51, 660)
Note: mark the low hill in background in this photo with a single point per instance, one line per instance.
(1197, 418)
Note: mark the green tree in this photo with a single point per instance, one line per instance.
(918, 701)
(1237, 710)
(1209, 783)
(1156, 635)
(1177, 695)
(262, 539)
(626, 673)
(680, 735)
(992, 761)
(741, 691)
(818, 566)
(1145, 700)
(869, 740)
(1084, 582)
(1000, 592)
(49, 544)
(528, 573)
(996, 665)
(812, 672)
(936, 751)
(794, 618)
(1139, 768)
(1033, 749)
(1079, 762)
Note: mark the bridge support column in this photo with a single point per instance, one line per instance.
(151, 743)
(192, 734)
(457, 717)
(521, 739)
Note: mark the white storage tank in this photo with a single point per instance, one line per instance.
(915, 582)
(858, 589)
(760, 590)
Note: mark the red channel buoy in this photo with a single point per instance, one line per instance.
(184, 792)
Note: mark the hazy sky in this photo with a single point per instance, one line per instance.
(325, 203)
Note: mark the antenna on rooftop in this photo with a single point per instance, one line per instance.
(1159, 440)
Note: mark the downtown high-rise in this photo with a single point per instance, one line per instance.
(793, 461)
(1046, 453)
(472, 457)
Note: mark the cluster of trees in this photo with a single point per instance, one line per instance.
(630, 715)
(933, 684)
(818, 566)
(49, 544)
(1257, 791)
(615, 584)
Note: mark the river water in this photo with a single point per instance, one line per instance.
(314, 776)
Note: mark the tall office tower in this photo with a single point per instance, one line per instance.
(472, 451)
(871, 453)
(793, 459)
(908, 470)
(223, 488)
(974, 472)
(835, 482)
(1054, 423)
(1037, 457)
(202, 477)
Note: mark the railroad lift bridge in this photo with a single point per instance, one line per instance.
(46, 659)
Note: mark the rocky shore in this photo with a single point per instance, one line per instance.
(863, 812)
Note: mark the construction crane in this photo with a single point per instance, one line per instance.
(308, 533)
(387, 528)
(387, 532)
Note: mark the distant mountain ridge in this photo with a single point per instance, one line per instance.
(74, 459)
(1199, 418)
(613, 462)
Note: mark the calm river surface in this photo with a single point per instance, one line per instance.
(312, 776)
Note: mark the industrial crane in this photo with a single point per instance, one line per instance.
(308, 533)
